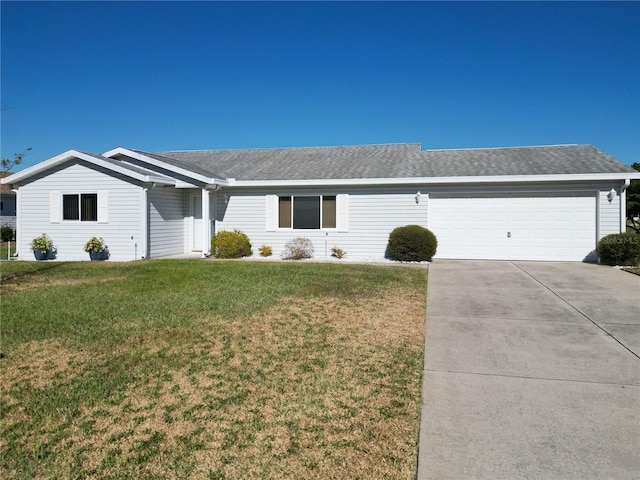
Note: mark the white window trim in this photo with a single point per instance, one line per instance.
(56, 206)
(342, 213)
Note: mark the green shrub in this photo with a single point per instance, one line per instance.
(411, 243)
(619, 249)
(234, 244)
(231, 244)
(297, 249)
(7, 233)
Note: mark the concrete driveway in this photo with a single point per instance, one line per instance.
(532, 371)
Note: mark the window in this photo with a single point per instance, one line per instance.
(307, 212)
(83, 207)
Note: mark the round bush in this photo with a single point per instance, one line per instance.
(412, 243)
(297, 249)
(7, 233)
(234, 244)
(619, 249)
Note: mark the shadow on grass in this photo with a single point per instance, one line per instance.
(39, 269)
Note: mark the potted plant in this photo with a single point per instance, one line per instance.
(97, 249)
(43, 248)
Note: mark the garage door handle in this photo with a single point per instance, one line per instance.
(508, 234)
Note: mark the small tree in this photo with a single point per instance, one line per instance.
(7, 233)
(633, 202)
(7, 164)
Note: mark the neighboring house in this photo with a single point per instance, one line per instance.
(7, 204)
(526, 203)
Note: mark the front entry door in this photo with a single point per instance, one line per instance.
(197, 223)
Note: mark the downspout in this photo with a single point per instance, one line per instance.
(144, 214)
(623, 205)
(18, 222)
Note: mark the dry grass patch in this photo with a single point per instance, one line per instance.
(312, 387)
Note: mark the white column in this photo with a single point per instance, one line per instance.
(206, 224)
(623, 207)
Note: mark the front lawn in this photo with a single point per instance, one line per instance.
(635, 270)
(212, 370)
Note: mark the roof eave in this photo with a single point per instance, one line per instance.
(585, 177)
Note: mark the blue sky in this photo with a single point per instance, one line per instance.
(206, 75)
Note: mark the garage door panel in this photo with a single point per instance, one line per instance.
(514, 226)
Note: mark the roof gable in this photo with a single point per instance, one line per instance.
(136, 173)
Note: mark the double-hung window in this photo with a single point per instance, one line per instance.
(306, 212)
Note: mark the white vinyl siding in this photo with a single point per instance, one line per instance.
(166, 221)
(609, 213)
(365, 217)
(41, 201)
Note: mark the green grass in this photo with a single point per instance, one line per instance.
(4, 250)
(200, 369)
(634, 270)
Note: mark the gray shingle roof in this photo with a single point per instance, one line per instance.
(392, 161)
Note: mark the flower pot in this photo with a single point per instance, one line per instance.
(42, 254)
(103, 255)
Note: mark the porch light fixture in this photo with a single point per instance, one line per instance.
(611, 195)
(418, 195)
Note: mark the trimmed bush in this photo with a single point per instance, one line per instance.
(297, 249)
(7, 233)
(412, 243)
(619, 249)
(228, 244)
(265, 251)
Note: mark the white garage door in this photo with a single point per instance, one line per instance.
(513, 226)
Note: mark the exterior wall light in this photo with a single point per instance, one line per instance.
(418, 195)
(611, 195)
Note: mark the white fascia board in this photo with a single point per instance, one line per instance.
(586, 177)
(74, 154)
(164, 165)
(40, 167)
